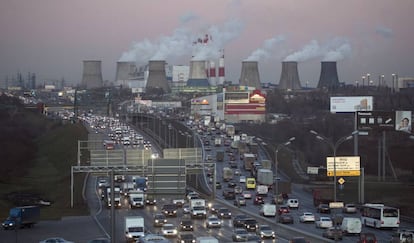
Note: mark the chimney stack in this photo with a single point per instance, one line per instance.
(221, 73)
(329, 76)
(198, 75)
(125, 71)
(289, 78)
(157, 78)
(250, 74)
(92, 74)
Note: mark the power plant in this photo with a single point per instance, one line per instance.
(198, 74)
(250, 74)
(157, 78)
(329, 76)
(289, 78)
(92, 74)
(125, 71)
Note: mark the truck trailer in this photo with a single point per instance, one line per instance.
(20, 217)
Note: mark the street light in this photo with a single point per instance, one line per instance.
(277, 165)
(334, 147)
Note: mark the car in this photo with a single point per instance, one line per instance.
(229, 194)
(186, 238)
(258, 200)
(192, 195)
(337, 219)
(213, 208)
(251, 224)
(333, 233)
(247, 194)
(153, 238)
(213, 222)
(253, 238)
(232, 184)
(324, 222)
(398, 236)
(349, 208)
(292, 203)
(298, 240)
(218, 185)
(240, 235)
(283, 209)
(323, 208)
(307, 217)
(286, 218)
(100, 240)
(159, 220)
(186, 209)
(265, 232)
(233, 163)
(55, 240)
(169, 210)
(237, 172)
(238, 189)
(103, 182)
(242, 179)
(186, 225)
(224, 213)
(240, 201)
(238, 220)
(168, 230)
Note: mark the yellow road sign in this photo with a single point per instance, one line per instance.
(341, 181)
(344, 173)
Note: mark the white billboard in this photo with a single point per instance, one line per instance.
(351, 103)
(344, 166)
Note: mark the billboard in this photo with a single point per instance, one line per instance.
(351, 103)
(375, 120)
(344, 166)
(403, 121)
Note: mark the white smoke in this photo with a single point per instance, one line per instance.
(265, 51)
(333, 50)
(384, 31)
(188, 17)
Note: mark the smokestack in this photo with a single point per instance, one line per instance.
(221, 73)
(92, 74)
(289, 78)
(212, 73)
(157, 78)
(125, 71)
(198, 76)
(250, 74)
(329, 76)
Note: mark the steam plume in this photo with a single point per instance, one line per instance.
(265, 51)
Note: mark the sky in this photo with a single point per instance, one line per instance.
(52, 38)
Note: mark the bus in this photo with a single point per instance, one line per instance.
(380, 216)
(109, 144)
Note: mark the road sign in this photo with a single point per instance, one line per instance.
(344, 173)
(341, 181)
(344, 166)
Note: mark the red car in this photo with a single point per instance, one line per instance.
(258, 200)
(283, 209)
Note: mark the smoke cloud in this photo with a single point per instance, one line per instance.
(188, 17)
(333, 50)
(384, 32)
(266, 50)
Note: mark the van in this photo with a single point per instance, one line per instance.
(351, 225)
(268, 210)
(250, 183)
(292, 203)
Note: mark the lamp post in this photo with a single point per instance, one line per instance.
(334, 147)
(277, 165)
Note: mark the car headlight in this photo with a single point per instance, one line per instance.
(129, 236)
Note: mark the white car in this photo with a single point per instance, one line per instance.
(169, 230)
(324, 222)
(247, 194)
(307, 217)
(55, 240)
(242, 179)
(213, 222)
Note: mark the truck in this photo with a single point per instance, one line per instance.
(230, 130)
(262, 190)
(198, 208)
(227, 174)
(248, 161)
(322, 196)
(265, 177)
(283, 190)
(242, 148)
(218, 141)
(134, 228)
(266, 164)
(220, 155)
(137, 199)
(127, 187)
(140, 183)
(117, 196)
(206, 239)
(20, 217)
(254, 148)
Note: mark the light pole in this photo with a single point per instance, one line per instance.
(277, 165)
(334, 147)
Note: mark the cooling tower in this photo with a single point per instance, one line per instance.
(250, 74)
(329, 76)
(92, 74)
(125, 71)
(198, 75)
(157, 78)
(289, 78)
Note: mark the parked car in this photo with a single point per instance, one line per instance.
(265, 232)
(240, 234)
(213, 222)
(350, 208)
(55, 240)
(286, 218)
(307, 217)
(333, 233)
(324, 208)
(324, 222)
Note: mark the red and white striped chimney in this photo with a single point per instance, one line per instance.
(212, 73)
(221, 72)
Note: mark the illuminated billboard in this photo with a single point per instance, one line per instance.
(351, 103)
(344, 166)
(403, 120)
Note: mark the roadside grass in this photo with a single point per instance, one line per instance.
(50, 176)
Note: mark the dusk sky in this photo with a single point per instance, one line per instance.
(51, 38)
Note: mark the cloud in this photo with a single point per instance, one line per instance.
(384, 32)
(266, 50)
(188, 17)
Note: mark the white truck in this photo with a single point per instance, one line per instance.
(268, 210)
(206, 239)
(134, 228)
(198, 208)
(136, 199)
(227, 174)
(262, 190)
(265, 177)
(218, 141)
(117, 196)
(127, 187)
